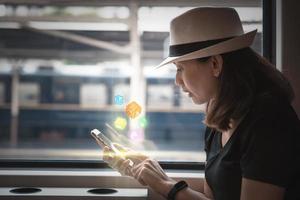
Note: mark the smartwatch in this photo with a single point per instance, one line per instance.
(176, 188)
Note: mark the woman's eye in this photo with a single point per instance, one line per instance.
(179, 69)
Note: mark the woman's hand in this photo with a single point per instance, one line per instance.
(145, 170)
(150, 173)
(124, 161)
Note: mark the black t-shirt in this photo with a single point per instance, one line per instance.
(264, 147)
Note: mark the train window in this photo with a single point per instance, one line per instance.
(76, 71)
(29, 93)
(160, 96)
(65, 91)
(93, 95)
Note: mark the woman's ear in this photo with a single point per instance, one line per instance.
(217, 64)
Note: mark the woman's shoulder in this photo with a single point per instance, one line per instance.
(271, 111)
(269, 116)
(269, 104)
(210, 138)
(208, 135)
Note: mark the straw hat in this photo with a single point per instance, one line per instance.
(206, 31)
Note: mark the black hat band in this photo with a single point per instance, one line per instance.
(182, 49)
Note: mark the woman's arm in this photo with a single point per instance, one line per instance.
(151, 174)
(207, 191)
(148, 172)
(190, 194)
(203, 193)
(258, 190)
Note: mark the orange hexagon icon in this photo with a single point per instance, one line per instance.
(133, 109)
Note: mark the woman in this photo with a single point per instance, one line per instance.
(252, 130)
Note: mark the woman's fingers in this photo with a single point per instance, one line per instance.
(138, 171)
(146, 176)
(107, 154)
(147, 163)
(110, 158)
(117, 161)
(149, 172)
(136, 168)
(144, 170)
(138, 177)
(155, 165)
(125, 168)
(130, 154)
(136, 157)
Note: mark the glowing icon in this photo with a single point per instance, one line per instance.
(120, 123)
(119, 100)
(133, 109)
(136, 135)
(143, 122)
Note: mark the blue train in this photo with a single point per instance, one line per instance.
(56, 111)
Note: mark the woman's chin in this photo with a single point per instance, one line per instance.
(197, 101)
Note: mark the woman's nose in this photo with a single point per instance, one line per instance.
(178, 80)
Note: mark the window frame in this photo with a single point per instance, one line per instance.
(269, 52)
(88, 164)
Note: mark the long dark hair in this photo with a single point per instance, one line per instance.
(245, 75)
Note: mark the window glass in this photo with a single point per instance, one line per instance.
(2, 93)
(160, 95)
(66, 70)
(28, 93)
(93, 94)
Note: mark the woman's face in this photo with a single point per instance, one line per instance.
(199, 79)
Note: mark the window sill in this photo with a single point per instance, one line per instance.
(82, 179)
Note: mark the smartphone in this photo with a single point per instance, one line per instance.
(102, 140)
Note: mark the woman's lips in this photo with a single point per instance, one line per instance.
(189, 93)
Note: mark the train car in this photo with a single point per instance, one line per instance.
(65, 107)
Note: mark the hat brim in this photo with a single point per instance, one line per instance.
(233, 44)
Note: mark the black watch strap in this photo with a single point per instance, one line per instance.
(176, 188)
